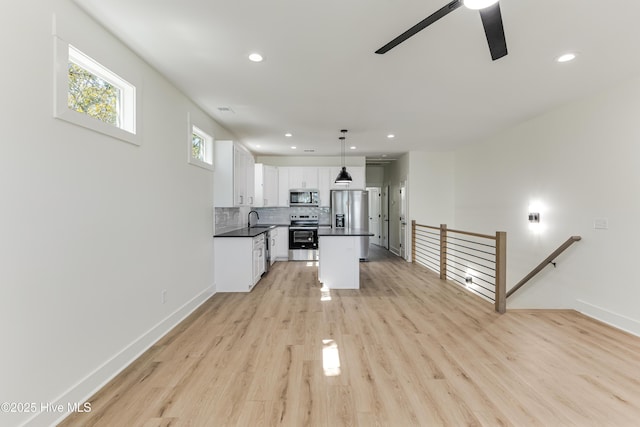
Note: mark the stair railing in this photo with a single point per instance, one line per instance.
(548, 260)
(475, 261)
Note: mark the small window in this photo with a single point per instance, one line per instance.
(90, 95)
(200, 148)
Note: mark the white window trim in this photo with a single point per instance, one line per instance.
(208, 145)
(129, 122)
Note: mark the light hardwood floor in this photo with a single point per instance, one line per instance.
(412, 351)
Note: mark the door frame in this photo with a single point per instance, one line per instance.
(385, 217)
(377, 193)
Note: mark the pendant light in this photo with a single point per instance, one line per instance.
(343, 177)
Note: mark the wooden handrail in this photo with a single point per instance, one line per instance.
(469, 233)
(570, 241)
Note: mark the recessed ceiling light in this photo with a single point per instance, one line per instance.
(288, 135)
(566, 57)
(353, 147)
(293, 147)
(391, 136)
(384, 155)
(255, 57)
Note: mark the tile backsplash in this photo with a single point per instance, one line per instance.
(228, 219)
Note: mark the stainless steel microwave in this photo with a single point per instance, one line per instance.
(303, 197)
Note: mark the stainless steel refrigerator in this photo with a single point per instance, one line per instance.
(350, 210)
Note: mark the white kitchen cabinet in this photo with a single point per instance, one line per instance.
(283, 186)
(250, 185)
(232, 258)
(258, 258)
(239, 177)
(325, 179)
(303, 177)
(266, 185)
(272, 235)
(244, 181)
(233, 175)
(281, 244)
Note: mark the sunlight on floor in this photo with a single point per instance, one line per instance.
(325, 293)
(312, 263)
(330, 358)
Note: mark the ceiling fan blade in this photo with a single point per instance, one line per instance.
(421, 26)
(492, 22)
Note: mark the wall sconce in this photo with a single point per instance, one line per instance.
(534, 217)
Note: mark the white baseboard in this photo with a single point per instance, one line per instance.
(616, 320)
(93, 382)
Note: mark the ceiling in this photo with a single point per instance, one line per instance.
(437, 91)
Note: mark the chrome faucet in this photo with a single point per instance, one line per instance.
(249, 218)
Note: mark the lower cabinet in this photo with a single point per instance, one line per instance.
(232, 258)
(281, 251)
(258, 258)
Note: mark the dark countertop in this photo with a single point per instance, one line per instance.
(343, 232)
(247, 232)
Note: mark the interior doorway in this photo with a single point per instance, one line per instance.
(375, 215)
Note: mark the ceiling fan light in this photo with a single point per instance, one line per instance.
(479, 4)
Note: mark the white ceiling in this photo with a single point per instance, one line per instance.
(437, 91)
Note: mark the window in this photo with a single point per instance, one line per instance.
(200, 145)
(90, 95)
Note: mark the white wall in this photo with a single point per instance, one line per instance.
(430, 192)
(431, 187)
(578, 163)
(374, 176)
(92, 229)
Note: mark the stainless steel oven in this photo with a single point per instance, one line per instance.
(303, 238)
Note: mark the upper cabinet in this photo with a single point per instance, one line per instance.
(303, 177)
(272, 184)
(233, 175)
(283, 186)
(266, 185)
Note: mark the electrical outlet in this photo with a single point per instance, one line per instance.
(163, 296)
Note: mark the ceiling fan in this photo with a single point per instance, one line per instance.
(491, 21)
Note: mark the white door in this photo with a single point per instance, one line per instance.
(375, 217)
(403, 219)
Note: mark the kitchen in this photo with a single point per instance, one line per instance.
(280, 216)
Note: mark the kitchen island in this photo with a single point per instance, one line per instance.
(339, 257)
